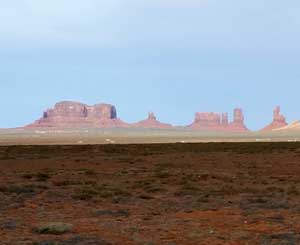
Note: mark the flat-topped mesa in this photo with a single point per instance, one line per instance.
(152, 122)
(211, 121)
(68, 114)
(279, 120)
(68, 109)
(206, 120)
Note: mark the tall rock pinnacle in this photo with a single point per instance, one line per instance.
(152, 122)
(279, 120)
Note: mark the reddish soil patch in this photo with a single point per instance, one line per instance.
(222, 193)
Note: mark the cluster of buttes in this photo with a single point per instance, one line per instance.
(69, 114)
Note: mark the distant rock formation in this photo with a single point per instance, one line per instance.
(211, 121)
(225, 120)
(207, 120)
(69, 114)
(295, 125)
(152, 122)
(238, 124)
(279, 121)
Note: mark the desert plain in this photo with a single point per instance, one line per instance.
(82, 136)
(54, 192)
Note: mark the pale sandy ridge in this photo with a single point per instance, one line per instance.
(295, 125)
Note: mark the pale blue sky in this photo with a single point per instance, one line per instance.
(174, 57)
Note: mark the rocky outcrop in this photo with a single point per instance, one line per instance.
(207, 120)
(211, 121)
(152, 122)
(225, 120)
(69, 114)
(238, 124)
(279, 121)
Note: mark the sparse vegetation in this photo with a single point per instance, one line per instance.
(118, 213)
(85, 193)
(57, 228)
(103, 191)
(17, 189)
(42, 176)
(151, 193)
(90, 171)
(146, 197)
(67, 182)
(293, 191)
(163, 174)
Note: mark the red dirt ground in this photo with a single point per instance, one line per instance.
(216, 193)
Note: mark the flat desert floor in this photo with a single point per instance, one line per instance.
(135, 136)
(209, 193)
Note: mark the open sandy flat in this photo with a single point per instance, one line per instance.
(128, 136)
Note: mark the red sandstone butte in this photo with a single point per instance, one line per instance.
(69, 114)
(211, 121)
(152, 122)
(238, 124)
(279, 121)
(207, 120)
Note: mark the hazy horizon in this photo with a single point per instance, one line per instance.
(170, 57)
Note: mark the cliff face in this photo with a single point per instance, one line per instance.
(151, 122)
(69, 114)
(279, 121)
(225, 120)
(207, 121)
(211, 121)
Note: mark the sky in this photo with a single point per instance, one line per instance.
(173, 57)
